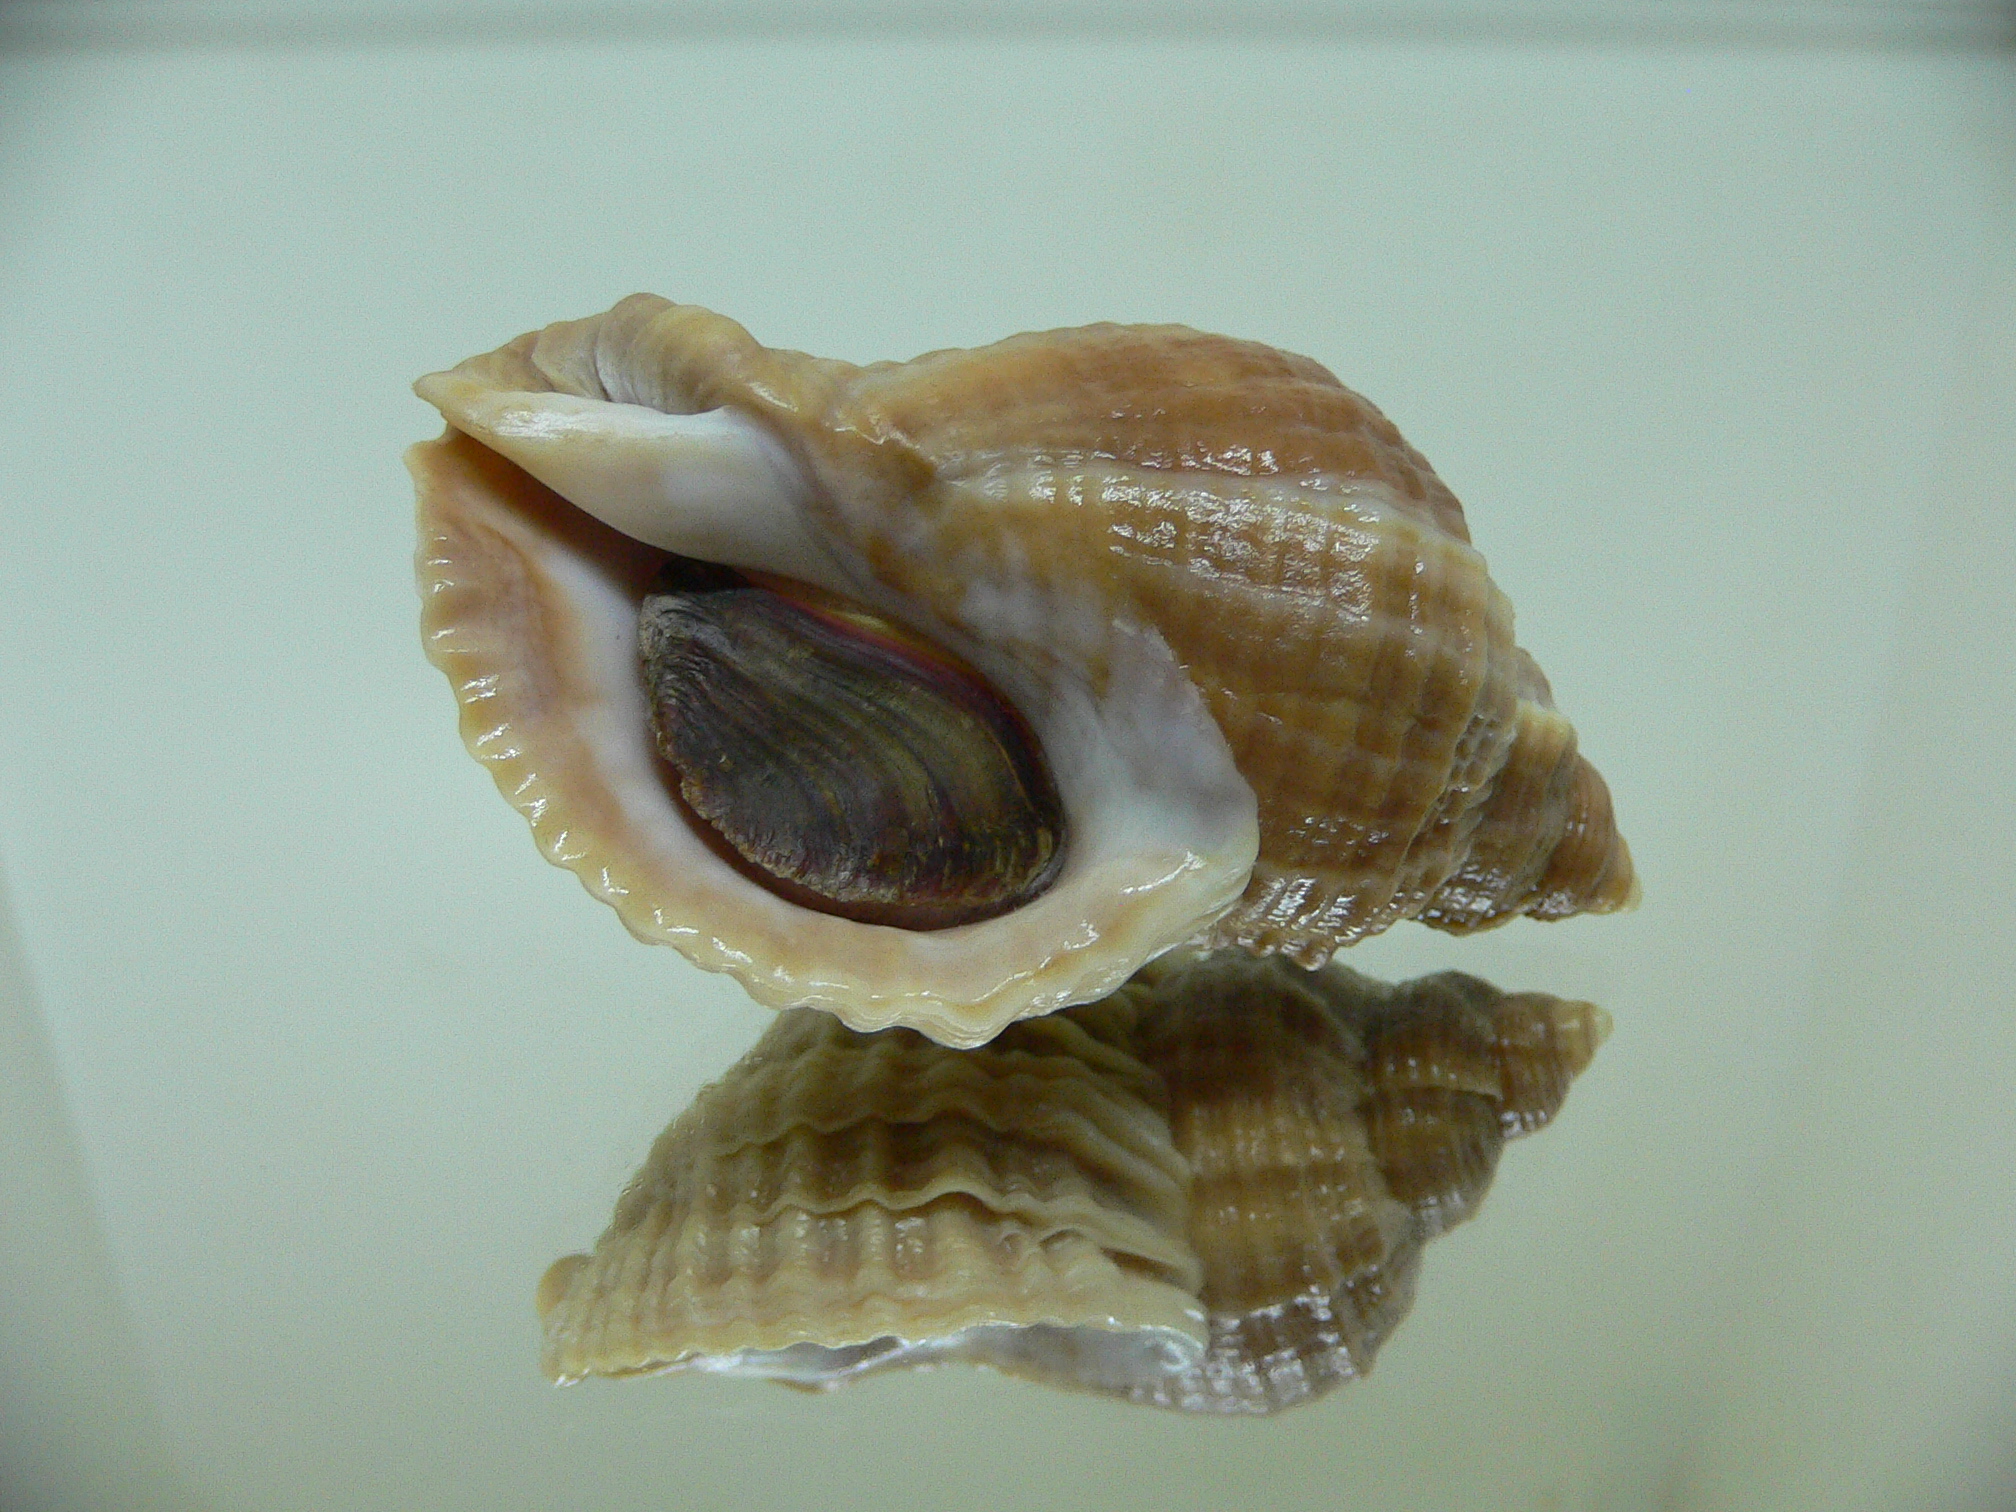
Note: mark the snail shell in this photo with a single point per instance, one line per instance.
(1272, 683)
(1208, 1192)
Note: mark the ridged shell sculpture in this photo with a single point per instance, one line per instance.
(1208, 1192)
(950, 692)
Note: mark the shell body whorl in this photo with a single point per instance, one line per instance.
(1276, 687)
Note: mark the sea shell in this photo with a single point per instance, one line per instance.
(1274, 686)
(1208, 1192)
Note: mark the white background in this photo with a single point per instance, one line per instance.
(311, 1066)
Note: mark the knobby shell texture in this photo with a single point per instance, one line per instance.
(1207, 1192)
(1276, 687)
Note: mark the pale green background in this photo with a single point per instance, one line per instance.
(310, 1065)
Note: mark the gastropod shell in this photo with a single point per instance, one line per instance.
(1057, 654)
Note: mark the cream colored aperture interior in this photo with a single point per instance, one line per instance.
(1161, 835)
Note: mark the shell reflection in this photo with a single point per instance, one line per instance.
(1209, 1191)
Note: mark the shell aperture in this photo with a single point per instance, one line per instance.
(1209, 1191)
(856, 769)
(1270, 678)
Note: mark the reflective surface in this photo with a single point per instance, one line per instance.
(1715, 348)
(1208, 1191)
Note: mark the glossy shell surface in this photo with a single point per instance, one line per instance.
(1275, 687)
(1209, 1192)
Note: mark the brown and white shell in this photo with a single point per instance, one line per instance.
(1274, 685)
(1208, 1192)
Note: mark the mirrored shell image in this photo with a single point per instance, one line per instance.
(945, 693)
(1209, 1191)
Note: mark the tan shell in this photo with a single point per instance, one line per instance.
(1276, 685)
(1207, 1192)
